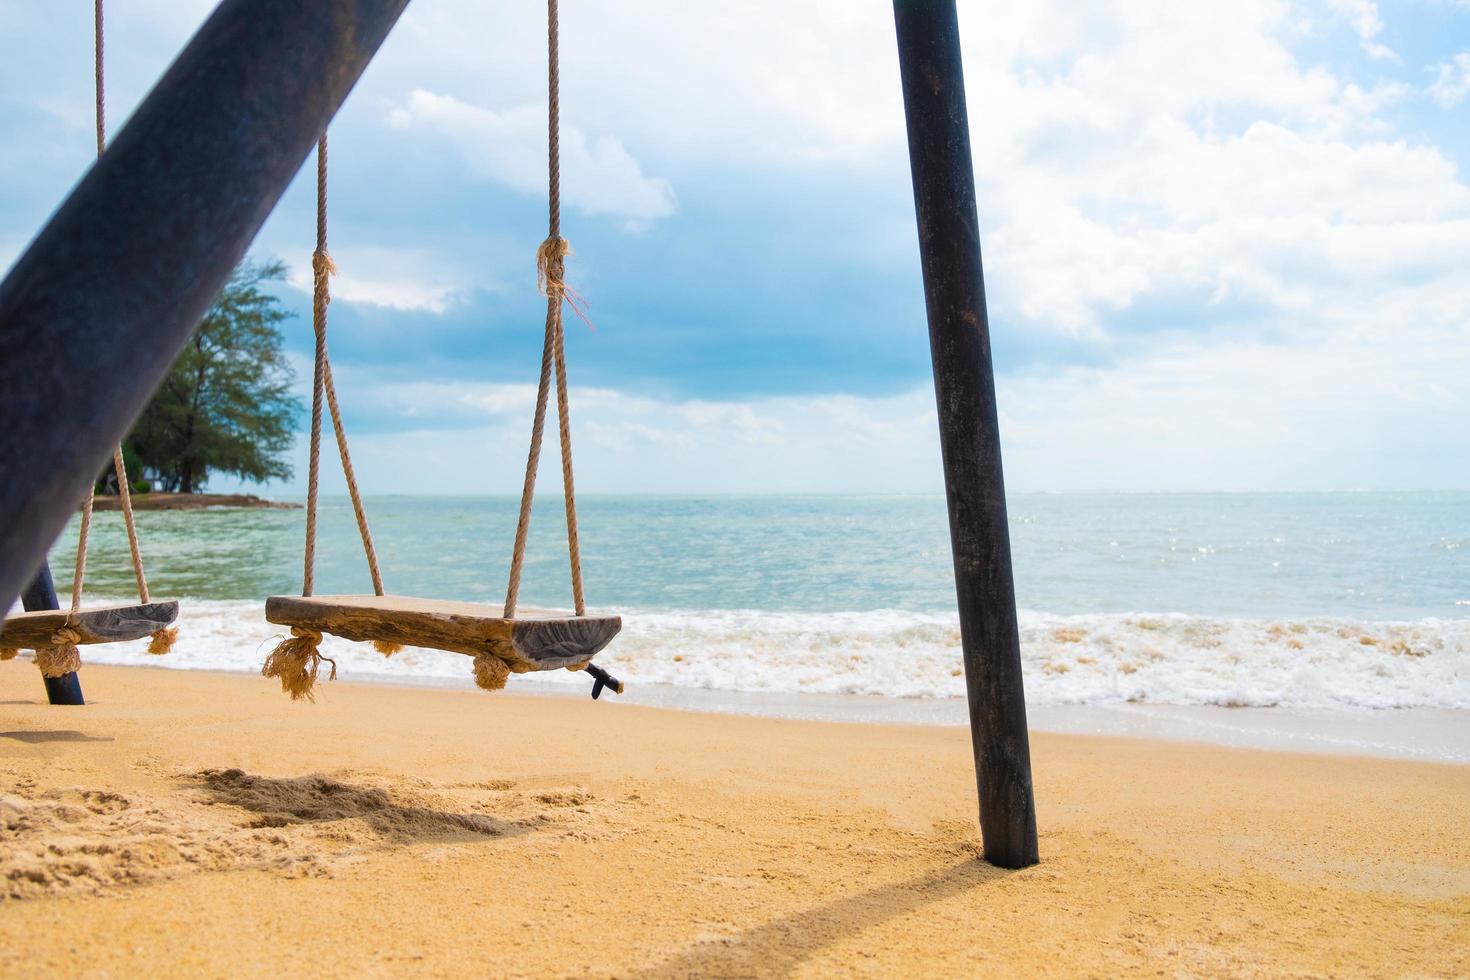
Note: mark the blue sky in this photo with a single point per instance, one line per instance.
(1227, 244)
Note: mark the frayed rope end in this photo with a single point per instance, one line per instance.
(161, 640)
(551, 276)
(387, 647)
(490, 671)
(62, 657)
(296, 661)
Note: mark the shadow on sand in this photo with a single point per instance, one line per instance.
(37, 738)
(779, 947)
(318, 799)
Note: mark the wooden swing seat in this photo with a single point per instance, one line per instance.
(104, 624)
(535, 639)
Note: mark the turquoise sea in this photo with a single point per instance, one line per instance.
(1312, 600)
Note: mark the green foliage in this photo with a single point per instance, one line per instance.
(226, 405)
(133, 463)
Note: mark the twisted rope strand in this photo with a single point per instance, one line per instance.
(553, 119)
(124, 491)
(563, 409)
(528, 488)
(362, 523)
(126, 497)
(551, 279)
(321, 264)
(323, 268)
(81, 569)
(97, 76)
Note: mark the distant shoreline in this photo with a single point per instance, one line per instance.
(191, 501)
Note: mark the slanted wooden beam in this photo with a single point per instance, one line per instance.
(98, 306)
(964, 384)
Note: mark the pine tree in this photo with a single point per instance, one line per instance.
(226, 405)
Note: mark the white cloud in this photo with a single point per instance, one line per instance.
(1363, 17)
(1101, 183)
(1266, 216)
(1233, 414)
(598, 176)
(1452, 82)
(1127, 153)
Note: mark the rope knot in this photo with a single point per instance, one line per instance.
(490, 671)
(61, 657)
(322, 264)
(322, 267)
(296, 661)
(551, 265)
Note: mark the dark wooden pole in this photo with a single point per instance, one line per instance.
(41, 594)
(111, 289)
(964, 384)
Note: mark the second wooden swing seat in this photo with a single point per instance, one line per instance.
(501, 641)
(534, 639)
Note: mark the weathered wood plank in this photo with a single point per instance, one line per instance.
(104, 624)
(536, 639)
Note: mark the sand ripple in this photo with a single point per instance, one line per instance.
(86, 840)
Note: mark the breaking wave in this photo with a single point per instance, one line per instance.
(1080, 659)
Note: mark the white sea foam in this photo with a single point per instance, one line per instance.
(1166, 659)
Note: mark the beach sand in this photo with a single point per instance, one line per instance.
(200, 824)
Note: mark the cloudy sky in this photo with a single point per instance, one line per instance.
(1227, 244)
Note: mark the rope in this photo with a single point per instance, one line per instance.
(120, 468)
(126, 497)
(97, 74)
(528, 488)
(362, 525)
(322, 269)
(297, 659)
(321, 266)
(76, 581)
(563, 415)
(550, 273)
(124, 491)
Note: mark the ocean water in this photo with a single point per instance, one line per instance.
(1341, 600)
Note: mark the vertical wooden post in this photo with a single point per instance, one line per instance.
(41, 594)
(964, 385)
